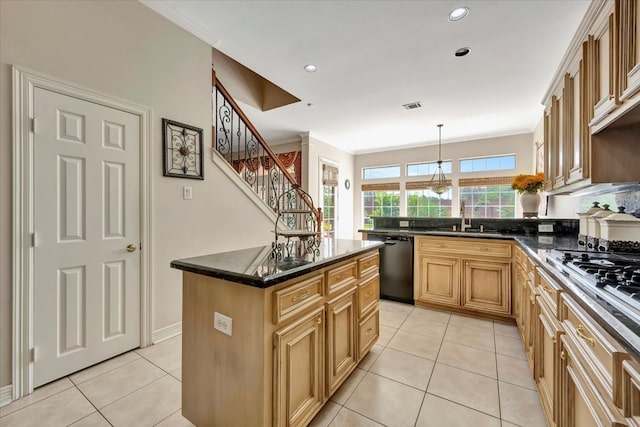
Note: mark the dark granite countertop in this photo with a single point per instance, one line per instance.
(256, 266)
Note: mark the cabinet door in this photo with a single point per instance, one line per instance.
(438, 279)
(531, 314)
(547, 359)
(628, 12)
(341, 340)
(580, 402)
(602, 57)
(487, 286)
(299, 372)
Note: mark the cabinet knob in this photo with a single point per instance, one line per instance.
(563, 355)
(319, 320)
(369, 331)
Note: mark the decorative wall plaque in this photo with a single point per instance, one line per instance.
(181, 150)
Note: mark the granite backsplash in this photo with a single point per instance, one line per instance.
(525, 227)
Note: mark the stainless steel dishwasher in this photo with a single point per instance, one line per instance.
(396, 267)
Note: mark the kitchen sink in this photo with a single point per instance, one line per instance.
(470, 233)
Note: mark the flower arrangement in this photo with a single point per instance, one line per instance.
(528, 183)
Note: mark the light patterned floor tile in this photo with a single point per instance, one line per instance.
(466, 388)
(159, 346)
(419, 325)
(38, 394)
(397, 307)
(506, 329)
(368, 360)
(61, 409)
(344, 391)
(470, 337)
(391, 318)
(348, 418)
(386, 401)
(430, 314)
(175, 420)
(403, 367)
(468, 358)
(93, 420)
(521, 406)
(107, 388)
(418, 345)
(177, 374)
(101, 368)
(470, 322)
(147, 406)
(508, 424)
(326, 415)
(438, 412)
(510, 347)
(167, 357)
(515, 371)
(386, 333)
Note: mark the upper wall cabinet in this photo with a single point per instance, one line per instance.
(597, 82)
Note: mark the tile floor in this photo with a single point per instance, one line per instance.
(429, 368)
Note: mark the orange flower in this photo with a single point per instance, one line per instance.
(528, 183)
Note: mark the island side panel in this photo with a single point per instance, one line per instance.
(222, 376)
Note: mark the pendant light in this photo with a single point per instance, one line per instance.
(438, 181)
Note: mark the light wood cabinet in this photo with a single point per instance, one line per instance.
(602, 60)
(342, 351)
(547, 357)
(299, 349)
(631, 392)
(438, 279)
(486, 286)
(628, 22)
(469, 274)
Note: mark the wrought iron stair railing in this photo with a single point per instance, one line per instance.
(241, 145)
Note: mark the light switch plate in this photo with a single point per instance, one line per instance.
(404, 223)
(545, 228)
(222, 323)
(187, 192)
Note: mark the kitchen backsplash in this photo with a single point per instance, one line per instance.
(505, 225)
(629, 199)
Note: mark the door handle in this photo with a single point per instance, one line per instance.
(131, 248)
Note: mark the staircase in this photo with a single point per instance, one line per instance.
(245, 150)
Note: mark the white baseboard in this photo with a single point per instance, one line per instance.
(6, 395)
(166, 332)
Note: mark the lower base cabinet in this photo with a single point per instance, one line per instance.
(486, 286)
(547, 356)
(299, 349)
(342, 352)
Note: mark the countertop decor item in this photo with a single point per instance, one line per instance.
(528, 187)
(181, 150)
(439, 183)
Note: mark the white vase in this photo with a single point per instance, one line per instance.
(530, 203)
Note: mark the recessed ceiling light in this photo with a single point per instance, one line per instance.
(458, 14)
(462, 51)
(310, 68)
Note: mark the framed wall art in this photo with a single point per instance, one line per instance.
(181, 150)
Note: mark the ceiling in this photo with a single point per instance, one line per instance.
(375, 56)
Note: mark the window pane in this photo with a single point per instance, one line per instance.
(495, 201)
(381, 172)
(379, 203)
(484, 164)
(465, 166)
(426, 203)
(427, 169)
(328, 210)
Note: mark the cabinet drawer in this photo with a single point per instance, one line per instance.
(465, 246)
(602, 353)
(295, 299)
(631, 392)
(549, 290)
(368, 294)
(340, 278)
(368, 265)
(368, 332)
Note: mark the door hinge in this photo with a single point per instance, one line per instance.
(32, 355)
(33, 240)
(33, 125)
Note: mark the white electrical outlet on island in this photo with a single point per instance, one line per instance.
(222, 323)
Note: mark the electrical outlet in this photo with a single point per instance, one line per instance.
(545, 228)
(404, 223)
(187, 192)
(222, 323)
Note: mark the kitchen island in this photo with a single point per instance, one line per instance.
(267, 338)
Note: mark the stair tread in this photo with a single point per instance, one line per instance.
(287, 211)
(297, 233)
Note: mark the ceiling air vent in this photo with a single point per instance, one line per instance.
(412, 105)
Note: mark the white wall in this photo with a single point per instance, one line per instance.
(125, 50)
(314, 152)
(514, 144)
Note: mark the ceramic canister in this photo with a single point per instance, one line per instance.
(619, 232)
(583, 233)
(593, 226)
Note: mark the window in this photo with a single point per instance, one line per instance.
(379, 200)
(488, 197)
(484, 164)
(427, 169)
(381, 172)
(329, 198)
(426, 203)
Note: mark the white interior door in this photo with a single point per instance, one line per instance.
(87, 232)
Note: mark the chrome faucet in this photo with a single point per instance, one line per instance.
(463, 225)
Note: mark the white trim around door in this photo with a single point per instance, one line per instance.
(24, 83)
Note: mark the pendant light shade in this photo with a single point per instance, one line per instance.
(439, 183)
